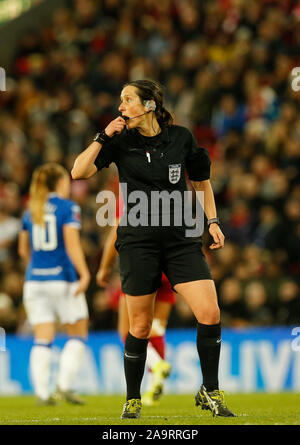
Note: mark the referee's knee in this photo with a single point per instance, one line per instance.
(141, 330)
(209, 316)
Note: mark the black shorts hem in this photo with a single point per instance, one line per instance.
(138, 293)
(189, 281)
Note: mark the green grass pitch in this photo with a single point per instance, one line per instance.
(251, 409)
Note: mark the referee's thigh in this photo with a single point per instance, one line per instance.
(201, 296)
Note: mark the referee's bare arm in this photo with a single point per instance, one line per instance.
(209, 205)
(84, 166)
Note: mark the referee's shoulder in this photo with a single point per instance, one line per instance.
(176, 129)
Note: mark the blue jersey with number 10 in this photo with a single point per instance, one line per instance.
(49, 259)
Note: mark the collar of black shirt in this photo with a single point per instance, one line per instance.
(155, 141)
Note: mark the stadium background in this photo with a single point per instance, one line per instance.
(226, 66)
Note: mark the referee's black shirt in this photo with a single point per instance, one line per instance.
(156, 163)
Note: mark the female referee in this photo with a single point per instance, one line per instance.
(56, 279)
(152, 155)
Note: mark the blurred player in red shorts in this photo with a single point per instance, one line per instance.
(165, 298)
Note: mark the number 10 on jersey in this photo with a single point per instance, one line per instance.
(45, 238)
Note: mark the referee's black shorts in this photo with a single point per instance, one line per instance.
(146, 252)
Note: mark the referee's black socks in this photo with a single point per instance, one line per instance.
(135, 353)
(209, 346)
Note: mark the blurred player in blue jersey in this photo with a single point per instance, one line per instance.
(56, 279)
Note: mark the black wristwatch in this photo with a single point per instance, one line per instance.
(102, 137)
(213, 220)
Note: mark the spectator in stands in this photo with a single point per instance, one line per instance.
(234, 313)
(288, 305)
(258, 312)
(8, 314)
(9, 230)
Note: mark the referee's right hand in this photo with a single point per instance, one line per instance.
(115, 126)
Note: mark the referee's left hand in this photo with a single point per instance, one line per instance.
(217, 235)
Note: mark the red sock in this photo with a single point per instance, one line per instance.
(158, 344)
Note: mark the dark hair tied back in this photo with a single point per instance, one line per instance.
(164, 117)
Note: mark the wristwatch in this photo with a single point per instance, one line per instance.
(101, 137)
(213, 220)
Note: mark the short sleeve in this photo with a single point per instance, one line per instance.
(197, 161)
(72, 215)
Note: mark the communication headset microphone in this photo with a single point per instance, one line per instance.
(148, 104)
(126, 118)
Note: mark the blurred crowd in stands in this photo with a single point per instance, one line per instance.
(226, 67)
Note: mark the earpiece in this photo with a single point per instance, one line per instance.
(150, 104)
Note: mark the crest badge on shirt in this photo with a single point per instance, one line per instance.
(174, 173)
